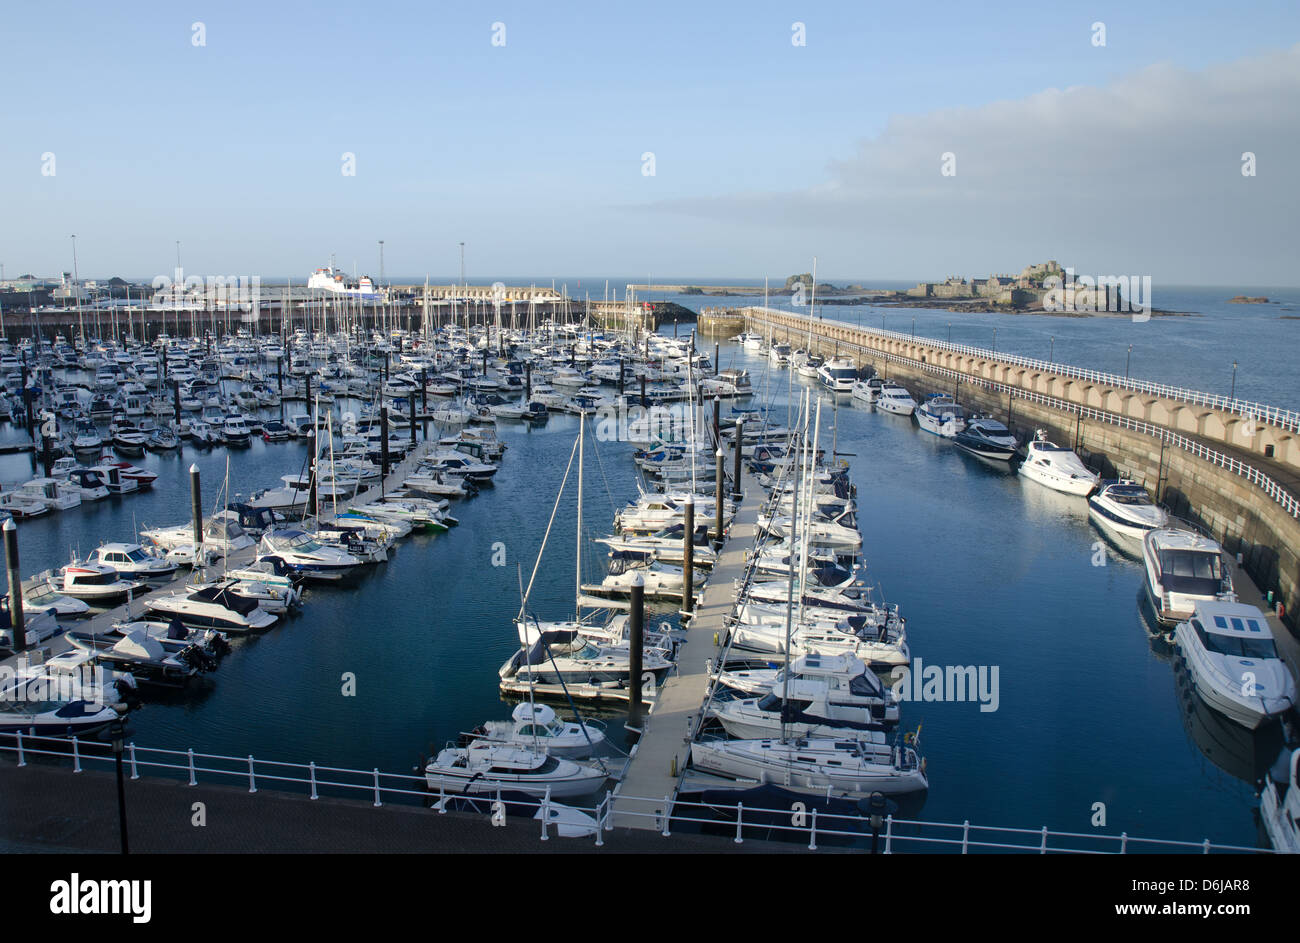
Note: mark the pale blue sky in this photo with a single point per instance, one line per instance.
(765, 153)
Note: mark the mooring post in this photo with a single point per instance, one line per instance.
(15, 585)
(718, 497)
(643, 391)
(383, 449)
(196, 506)
(412, 399)
(716, 349)
(735, 481)
(279, 382)
(688, 558)
(717, 419)
(528, 380)
(176, 403)
(620, 377)
(636, 641)
(424, 404)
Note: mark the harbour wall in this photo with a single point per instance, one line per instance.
(1240, 514)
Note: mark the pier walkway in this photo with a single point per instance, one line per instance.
(656, 765)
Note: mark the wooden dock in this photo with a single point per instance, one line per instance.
(654, 771)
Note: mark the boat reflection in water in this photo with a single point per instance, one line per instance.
(1241, 753)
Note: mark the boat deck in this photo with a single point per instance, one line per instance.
(655, 768)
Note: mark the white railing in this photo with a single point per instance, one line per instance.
(1267, 484)
(885, 834)
(1274, 415)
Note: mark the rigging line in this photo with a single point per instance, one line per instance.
(524, 604)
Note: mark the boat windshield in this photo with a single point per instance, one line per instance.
(1191, 564)
(303, 543)
(137, 556)
(1235, 646)
(1128, 496)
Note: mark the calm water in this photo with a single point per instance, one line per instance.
(988, 569)
(1195, 352)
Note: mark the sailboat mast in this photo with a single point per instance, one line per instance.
(577, 587)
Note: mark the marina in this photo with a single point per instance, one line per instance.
(649, 763)
(648, 430)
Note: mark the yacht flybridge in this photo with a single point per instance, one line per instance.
(1184, 568)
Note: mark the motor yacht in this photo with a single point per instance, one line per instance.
(1234, 663)
(941, 415)
(92, 582)
(1123, 507)
(893, 398)
(487, 767)
(1056, 467)
(212, 607)
(1183, 568)
(133, 561)
(535, 727)
(301, 553)
(987, 438)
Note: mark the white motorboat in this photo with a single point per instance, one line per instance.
(221, 534)
(940, 415)
(94, 582)
(1123, 507)
(1234, 663)
(57, 495)
(1057, 467)
(854, 766)
(535, 727)
(302, 553)
(877, 638)
(1279, 808)
(838, 374)
(486, 767)
(1183, 568)
(39, 624)
(133, 561)
(38, 597)
(213, 606)
(866, 391)
(47, 705)
(893, 398)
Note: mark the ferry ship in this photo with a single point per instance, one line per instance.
(333, 280)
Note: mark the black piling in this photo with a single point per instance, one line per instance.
(411, 399)
(176, 403)
(424, 403)
(383, 449)
(196, 507)
(15, 585)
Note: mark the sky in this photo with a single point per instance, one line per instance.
(652, 141)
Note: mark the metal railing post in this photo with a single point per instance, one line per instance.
(442, 796)
(311, 767)
(1043, 848)
(668, 815)
(546, 812)
(378, 803)
(76, 755)
(740, 815)
(21, 760)
(135, 774)
(889, 834)
(252, 783)
(812, 832)
(1123, 843)
(965, 837)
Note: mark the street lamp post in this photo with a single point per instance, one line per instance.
(949, 332)
(1128, 360)
(1051, 350)
(1232, 397)
(995, 340)
(913, 328)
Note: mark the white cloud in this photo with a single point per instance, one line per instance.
(1143, 175)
